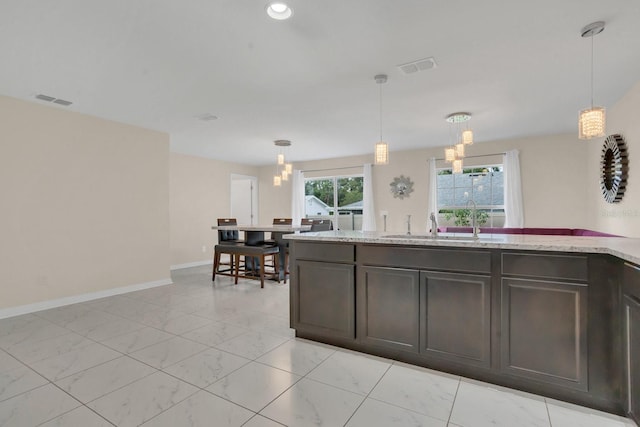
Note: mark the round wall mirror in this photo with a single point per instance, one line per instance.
(614, 168)
(401, 186)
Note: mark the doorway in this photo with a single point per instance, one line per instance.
(244, 199)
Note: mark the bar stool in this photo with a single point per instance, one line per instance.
(260, 252)
(227, 238)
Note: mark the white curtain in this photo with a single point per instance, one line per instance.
(368, 210)
(513, 212)
(297, 196)
(432, 194)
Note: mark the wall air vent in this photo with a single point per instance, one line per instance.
(58, 101)
(419, 65)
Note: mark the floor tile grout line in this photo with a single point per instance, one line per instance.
(369, 393)
(453, 403)
(25, 391)
(74, 409)
(114, 390)
(546, 405)
(173, 405)
(260, 415)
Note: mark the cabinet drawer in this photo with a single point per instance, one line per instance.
(572, 267)
(329, 252)
(631, 281)
(426, 259)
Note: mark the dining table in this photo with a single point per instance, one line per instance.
(254, 235)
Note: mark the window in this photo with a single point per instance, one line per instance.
(484, 185)
(342, 194)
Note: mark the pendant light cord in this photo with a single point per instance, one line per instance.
(380, 84)
(592, 71)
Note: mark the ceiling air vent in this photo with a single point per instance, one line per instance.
(58, 101)
(45, 97)
(419, 65)
(207, 117)
(62, 102)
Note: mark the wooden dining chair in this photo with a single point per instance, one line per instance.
(261, 253)
(278, 221)
(321, 225)
(226, 239)
(282, 221)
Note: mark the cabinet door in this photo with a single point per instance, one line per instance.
(544, 331)
(631, 339)
(325, 299)
(455, 317)
(388, 307)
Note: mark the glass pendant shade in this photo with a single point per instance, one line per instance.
(381, 153)
(277, 181)
(450, 154)
(289, 168)
(457, 166)
(281, 159)
(467, 137)
(460, 150)
(592, 123)
(285, 175)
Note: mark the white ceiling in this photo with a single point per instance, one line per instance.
(521, 68)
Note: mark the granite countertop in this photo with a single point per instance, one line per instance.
(627, 249)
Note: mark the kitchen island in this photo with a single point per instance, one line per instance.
(553, 315)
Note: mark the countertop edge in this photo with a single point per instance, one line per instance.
(627, 249)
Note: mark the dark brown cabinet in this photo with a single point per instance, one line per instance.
(325, 299)
(558, 324)
(631, 339)
(388, 307)
(455, 317)
(544, 331)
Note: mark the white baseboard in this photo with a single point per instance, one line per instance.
(59, 302)
(191, 264)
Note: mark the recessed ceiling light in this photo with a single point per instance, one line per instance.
(279, 10)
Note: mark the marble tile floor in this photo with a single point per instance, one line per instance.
(193, 354)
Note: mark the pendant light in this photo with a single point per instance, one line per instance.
(459, 138)
(381, 155)
(592, 121)
(283, 168)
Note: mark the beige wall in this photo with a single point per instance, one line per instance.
(199, 193)
(89, 205)
(554, 189)
(618, 218)
(85, 204)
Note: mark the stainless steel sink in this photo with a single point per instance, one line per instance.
(430, 237)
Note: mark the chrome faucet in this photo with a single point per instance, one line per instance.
(408, 224)
(434, 225)
(473, 218)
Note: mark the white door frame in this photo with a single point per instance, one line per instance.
(254, 196)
